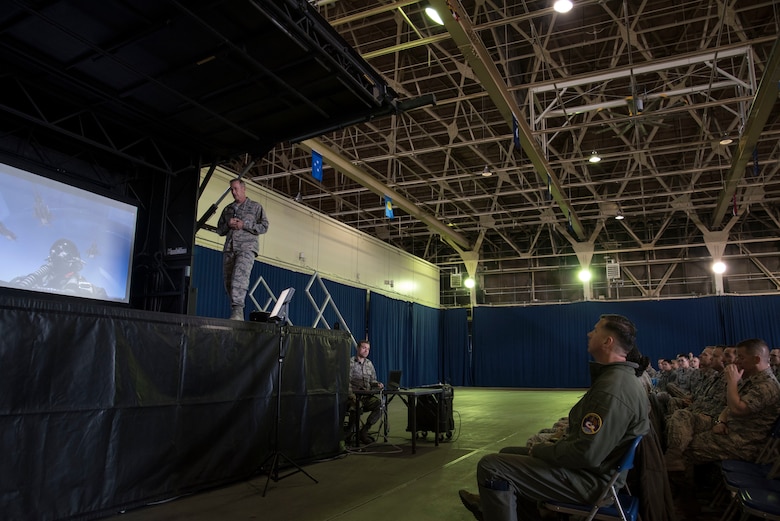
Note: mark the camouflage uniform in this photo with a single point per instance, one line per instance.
(683, 380)
(240, 249)
(746, 434)
(362, 376)
(663, 379)
(712, 396)
(684, 423)
(698, 379)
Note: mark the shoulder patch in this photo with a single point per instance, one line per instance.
(591, 423)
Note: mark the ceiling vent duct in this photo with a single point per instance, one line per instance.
(456, 280)
(613, 270)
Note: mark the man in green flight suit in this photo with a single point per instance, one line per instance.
(575, 469)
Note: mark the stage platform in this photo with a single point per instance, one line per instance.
(105, 408)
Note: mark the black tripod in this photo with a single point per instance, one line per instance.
(276, 457)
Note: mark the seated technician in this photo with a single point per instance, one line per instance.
(362, 377)
(576, 468)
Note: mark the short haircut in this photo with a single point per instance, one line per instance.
(623, 329)
(239, 181)
(364, 341)
(755, 347)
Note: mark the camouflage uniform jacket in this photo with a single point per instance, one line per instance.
(683, 380)
(712, 395)
(663, 379)
(255, 224)
(761, 393)
(362, 375)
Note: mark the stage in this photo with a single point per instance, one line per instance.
(105, 408)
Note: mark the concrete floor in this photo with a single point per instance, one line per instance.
(384, 480)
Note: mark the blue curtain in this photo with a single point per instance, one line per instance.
(390, 333)
(538, 347)
(456, 368)
(751, 317)
(425, 367)
(546, 346)
(522, 346)
(350, 302)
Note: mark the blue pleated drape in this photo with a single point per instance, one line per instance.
(521, 346)
(390, 333)
(546, 346)
(404, 336)
(424, 366)
(455, 348)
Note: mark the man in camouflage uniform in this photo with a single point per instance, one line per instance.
(665, 375)
(699, 416)
(362, 377)
(774, 361)
(711, 368)
(752, 406)
(242, 222)
(684, 372)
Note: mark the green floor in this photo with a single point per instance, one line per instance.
(385, 480)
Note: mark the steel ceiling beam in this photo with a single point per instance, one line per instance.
(346, 167)
(476, 54)
(765, 99)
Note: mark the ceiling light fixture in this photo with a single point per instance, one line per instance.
(594, 157)
(726, 139)
(434, 15)
(486, 172)
(620, 216)
(563, 6)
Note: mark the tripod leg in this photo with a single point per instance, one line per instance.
(273, 472)
(298, 468)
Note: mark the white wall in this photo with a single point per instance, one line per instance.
(329, 247)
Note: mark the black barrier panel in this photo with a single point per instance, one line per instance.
(104, 408)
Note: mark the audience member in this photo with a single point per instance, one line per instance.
(681, 386)
(601, 426)
(729, 355)
(665, 375)
(752, 406)
(774, 361)
(684, 423)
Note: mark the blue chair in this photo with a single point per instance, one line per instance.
(738, 474)
(761, 503)
(624, 506)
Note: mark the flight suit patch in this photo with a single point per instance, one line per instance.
(591, 423)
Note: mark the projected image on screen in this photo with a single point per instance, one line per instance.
(55, 238)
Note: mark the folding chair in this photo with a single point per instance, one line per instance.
(760, 503)
(354, 421)
(625, 506)
(739, 474)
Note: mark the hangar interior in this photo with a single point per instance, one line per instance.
(656, 89)
(480, 130)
